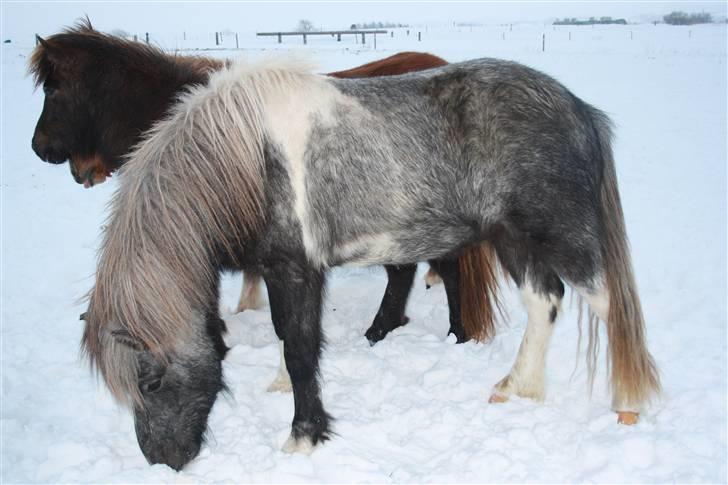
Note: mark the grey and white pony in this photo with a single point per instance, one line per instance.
(287, 173)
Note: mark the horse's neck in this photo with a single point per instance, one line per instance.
(196, 70)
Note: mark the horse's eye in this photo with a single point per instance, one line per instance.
(151, 386)
(49, 90)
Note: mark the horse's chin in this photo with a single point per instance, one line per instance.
(88, 171)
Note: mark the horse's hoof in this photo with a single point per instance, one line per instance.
(497, 399)
(281, 384)
(627, 418)
(302, 445)
(381, 327)
(459, 338)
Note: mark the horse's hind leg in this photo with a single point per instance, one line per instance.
(282, 381)
(391, 311)
(449, 271)
(251, 297)
(543, 303)
(296, 293)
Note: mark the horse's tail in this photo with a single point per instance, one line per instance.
(634, 377)
(479, 298)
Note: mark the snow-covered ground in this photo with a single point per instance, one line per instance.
(414, 407)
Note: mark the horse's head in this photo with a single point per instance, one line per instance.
(101, 93)
(171, 394)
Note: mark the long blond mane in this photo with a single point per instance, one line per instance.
(193, 188)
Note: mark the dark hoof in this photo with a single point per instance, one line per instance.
(379, 329)
(460, 337)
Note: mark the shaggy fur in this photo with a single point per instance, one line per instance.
(293, 173)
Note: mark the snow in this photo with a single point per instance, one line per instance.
(414, 407)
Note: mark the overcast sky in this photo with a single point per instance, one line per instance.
(24, 18)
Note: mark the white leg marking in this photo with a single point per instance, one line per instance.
(526, 378)
(251, 297)
(598, 301)
(282, 382)
(432, 278)
(303, 445)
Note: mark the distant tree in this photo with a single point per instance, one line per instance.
(353, 27)
(682, 18)
(305, 26)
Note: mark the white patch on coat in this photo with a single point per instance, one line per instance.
(526, 378)
(367, 250)
(289, 115)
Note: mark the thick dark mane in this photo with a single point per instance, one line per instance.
(82, 38)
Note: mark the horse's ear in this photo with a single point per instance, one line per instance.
(123, 337)
(82, 316)
(40, 40)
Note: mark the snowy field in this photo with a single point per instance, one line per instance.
(414, 407)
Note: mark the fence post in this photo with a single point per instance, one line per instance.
(363, 38)
(419, 36)
(217, 39)
(146, 34)
(375, 41)
(280, 37)
(569, 35)
(237, 46)
(543, 43)
(304, 39)
(338, 37)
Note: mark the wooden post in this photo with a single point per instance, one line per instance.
(338, 37)
(543, 43)
(503, 36)
(363, 38)
(217, 39)
(304, 39)
(135, 38)
(419, 36)
(237, 46)
(146, 34)
(280, 37)
(569, 35)
(391, 34)
(630, 35)
(184, 35)
(375, 41)
(407, 31)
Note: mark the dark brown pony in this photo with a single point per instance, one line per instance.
(103, 92)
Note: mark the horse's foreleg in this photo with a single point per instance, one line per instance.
(526, 378)
(282, 382)
(449, 271)
(391, 310)
(295, 295)
(251, 297)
